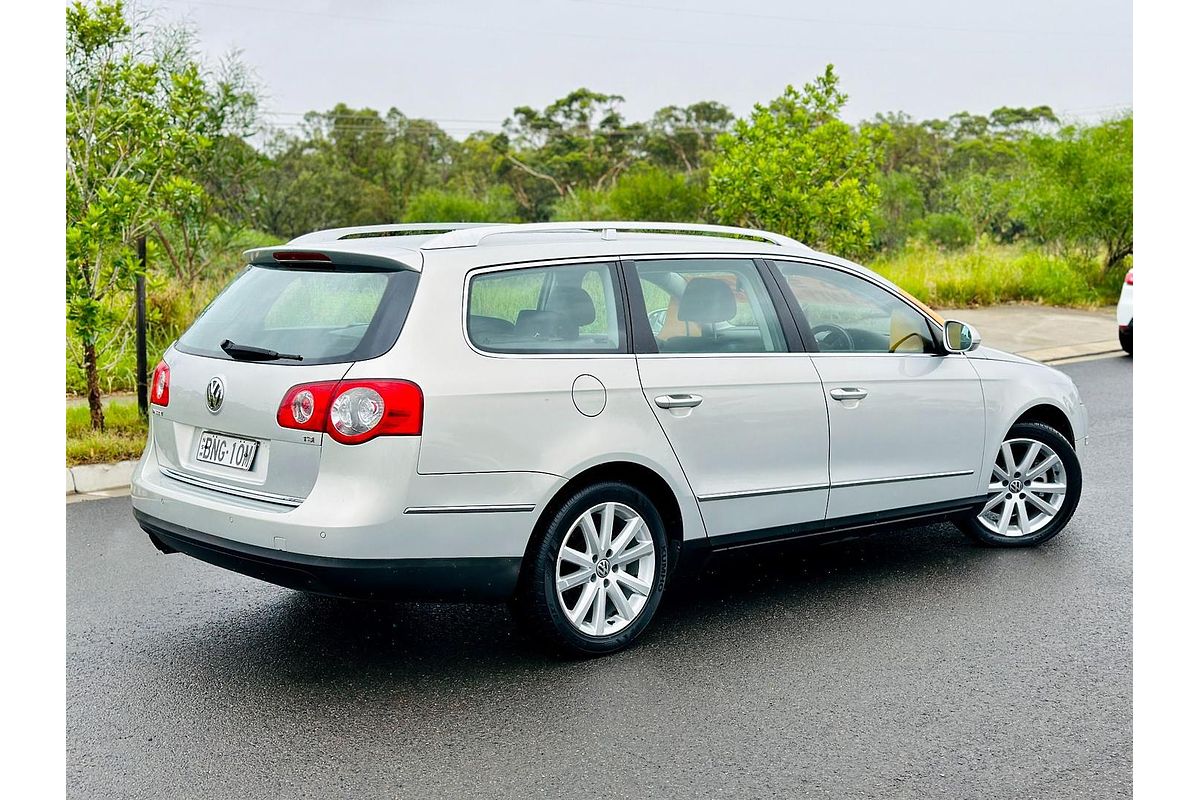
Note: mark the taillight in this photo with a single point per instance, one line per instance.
(1129, 278)
(306, 406)
(160, 385)
(354, 411)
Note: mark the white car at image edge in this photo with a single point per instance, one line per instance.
(558, 415)
(1125, 314)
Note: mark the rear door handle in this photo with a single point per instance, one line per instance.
(848, 394)
(678, 400)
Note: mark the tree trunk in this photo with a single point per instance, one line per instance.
(1117, 253)
(91, 368)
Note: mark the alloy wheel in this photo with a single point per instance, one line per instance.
(605, 569)
(1027, 489)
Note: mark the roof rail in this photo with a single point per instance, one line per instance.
(474, 236)
(371, 231)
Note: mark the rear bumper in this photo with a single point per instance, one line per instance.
(489, 578)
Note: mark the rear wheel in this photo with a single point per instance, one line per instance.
(1034, 489)
(597, 571)
(1125, 335)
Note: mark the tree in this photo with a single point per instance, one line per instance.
(684, 138)
(643, 193)
(577, 142)
(796, 168)
(141, 114)
(1080, 188)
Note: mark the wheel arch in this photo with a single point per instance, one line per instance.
(641, 477)
(1050, 415)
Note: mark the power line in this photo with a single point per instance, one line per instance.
(619, 37)
(379, 117)
(825, 21)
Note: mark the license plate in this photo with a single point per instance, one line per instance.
(228, 451)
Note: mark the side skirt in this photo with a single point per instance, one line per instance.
(855, 524)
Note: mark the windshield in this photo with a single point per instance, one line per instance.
(315, 316)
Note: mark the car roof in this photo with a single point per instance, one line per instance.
(412, 245)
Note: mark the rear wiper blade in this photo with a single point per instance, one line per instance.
(244, 352)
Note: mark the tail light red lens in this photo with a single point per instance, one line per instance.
(306, 407)
(354, 411)
(160, 385)
(1129, 277)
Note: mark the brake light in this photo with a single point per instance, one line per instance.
(1129, 278)
(300, 255)
(354, 411)
(160, 385)
(306, 406)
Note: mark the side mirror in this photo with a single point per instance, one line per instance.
(959, 337)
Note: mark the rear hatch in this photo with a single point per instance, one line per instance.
(275, 326)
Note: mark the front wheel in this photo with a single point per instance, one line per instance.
(1034, 489)
(597, 572)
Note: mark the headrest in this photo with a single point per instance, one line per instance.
(707, 300)
(543, 325)
(574, 304)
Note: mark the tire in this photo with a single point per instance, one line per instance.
(548, 615)
(985, 524)
(1125, 336)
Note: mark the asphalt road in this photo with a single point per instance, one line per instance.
(907, 664)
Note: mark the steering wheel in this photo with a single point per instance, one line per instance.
(829, 333)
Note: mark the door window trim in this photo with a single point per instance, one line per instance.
(805, 331)
(624, 348)
(644, 343)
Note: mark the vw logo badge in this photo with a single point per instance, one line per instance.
(1014, 485)
(603, 568)
(215, 394)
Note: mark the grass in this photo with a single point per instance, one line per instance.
(123, 439)
(986, 274)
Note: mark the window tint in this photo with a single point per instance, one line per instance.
(709, 306)
(849, 314)
(324, 316)
(561, 309)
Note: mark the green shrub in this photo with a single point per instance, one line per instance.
(951, 231)
(987, 273)
(585, 204)
(654, 193)
(900, 207)
(441, 205)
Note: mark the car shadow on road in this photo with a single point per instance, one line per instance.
(737, 602)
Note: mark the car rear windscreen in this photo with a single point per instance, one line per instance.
(324, 316)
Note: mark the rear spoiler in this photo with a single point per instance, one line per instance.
(332, 258)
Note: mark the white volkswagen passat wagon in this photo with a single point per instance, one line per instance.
(557, 414)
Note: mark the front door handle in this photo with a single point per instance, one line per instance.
(678, 400)
(848, 394)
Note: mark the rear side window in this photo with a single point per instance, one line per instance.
(709, 306)
(573, 308)
(324, 316)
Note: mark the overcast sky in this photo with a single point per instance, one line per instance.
(467, 63)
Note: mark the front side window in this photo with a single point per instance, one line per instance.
(709, 306)
(571, 308)
(849, 314)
